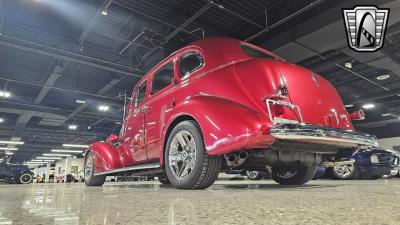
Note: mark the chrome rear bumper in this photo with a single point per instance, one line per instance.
(323, 135)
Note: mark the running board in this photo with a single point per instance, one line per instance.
(138, 167)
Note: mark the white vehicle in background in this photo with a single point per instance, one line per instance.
(395, 161)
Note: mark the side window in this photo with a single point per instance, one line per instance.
(190, 63)
(141, 94)
(162, 78)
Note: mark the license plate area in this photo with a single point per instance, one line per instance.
(294, 108)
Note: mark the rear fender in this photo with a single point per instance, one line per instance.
(106, 157)
(226, 126)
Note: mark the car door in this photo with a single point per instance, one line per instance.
(134, 129)
(160, 100)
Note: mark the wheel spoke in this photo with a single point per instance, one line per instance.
(183, 170)
(182, 141)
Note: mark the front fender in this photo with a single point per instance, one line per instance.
(226, 125)
(106, 157)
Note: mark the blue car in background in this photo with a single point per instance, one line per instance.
(362, 164)
(15, 174)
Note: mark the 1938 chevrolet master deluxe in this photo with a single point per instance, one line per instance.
(221, 102)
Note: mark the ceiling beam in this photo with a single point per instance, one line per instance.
(177, 30)
(69, 56)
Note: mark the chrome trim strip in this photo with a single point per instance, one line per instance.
(138, 167)
(314, 133)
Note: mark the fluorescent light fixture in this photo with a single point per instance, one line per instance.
(348, 65)
(8, 148)
(72, 127)
(66, 151)
(5, 94)
(368, 106)
(48, 157)
(349, 105)
(1, 120)
(80, 101)
(104, 13)
(386, 114)
(12, 142)
(33, 163)
(9, 153)
(42, 160)
(104, 108)
(56, 155)
(75, 146)
(383, 77)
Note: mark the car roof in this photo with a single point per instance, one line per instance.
(214, 49)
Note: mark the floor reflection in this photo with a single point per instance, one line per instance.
(224, 203)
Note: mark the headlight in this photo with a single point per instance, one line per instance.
(374, 159)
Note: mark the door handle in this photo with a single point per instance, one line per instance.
(145, 108)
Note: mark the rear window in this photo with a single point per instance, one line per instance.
(190, 63)
(255, 53)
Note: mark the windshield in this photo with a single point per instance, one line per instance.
(255, 53)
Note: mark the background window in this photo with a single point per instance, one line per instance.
(141, 94)
(191, 62)
(162, 78)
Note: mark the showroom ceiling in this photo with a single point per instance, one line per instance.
(61, 60)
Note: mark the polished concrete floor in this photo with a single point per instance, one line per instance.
(226, 202)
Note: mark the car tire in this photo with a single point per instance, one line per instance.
(24, 178)
(293, 175)
(187, 164)
(254, 175)
(163, 179)
(90, 178)
(345, 172)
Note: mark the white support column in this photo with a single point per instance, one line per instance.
(47, 177)
(67, 167)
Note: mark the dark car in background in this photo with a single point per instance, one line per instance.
(16, 174)
(362, 164)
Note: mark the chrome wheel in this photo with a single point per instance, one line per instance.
(286, 174)
(252, 174)
(344, 170)
(182, 154)
(88, 167)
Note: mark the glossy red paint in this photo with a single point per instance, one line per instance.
(227, 98)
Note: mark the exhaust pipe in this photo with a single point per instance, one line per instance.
(242, 157)
(233, 160)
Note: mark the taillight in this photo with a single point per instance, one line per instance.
(357, 115)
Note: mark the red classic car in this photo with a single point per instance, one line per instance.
(220, 102)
